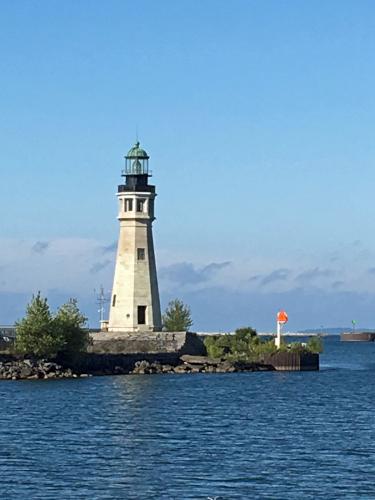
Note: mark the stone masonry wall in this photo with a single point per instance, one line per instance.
(178, 343)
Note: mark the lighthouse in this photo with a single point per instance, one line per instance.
(135, 303)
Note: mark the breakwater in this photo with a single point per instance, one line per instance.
(121, 364)
(357, 337)
(20, 368)
(148, 353)
(108, 364)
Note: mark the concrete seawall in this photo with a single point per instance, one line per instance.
(357, 337)
(177, 343)
(118, 352)
(290, 361)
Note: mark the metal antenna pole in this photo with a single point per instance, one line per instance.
(101, 300)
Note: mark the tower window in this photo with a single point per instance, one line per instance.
(128, 205)
(141, 315)
(140, 205)
(141, 253)
(114, 300)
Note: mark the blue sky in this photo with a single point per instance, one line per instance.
(258, 116)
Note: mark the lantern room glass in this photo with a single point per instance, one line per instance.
(136, 166)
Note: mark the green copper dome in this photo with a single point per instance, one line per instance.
(137, 152)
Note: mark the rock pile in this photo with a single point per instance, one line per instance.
(16, 368)
(145, 367)
(199, 364)
(33, 369)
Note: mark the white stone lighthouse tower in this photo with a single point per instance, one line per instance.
(135, 304)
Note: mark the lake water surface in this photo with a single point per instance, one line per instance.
(232, 436)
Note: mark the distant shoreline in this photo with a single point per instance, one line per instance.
(272, 334)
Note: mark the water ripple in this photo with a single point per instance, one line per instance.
(237, 436)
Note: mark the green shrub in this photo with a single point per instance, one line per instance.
(265, 347)
(241, 345)
(36, 333)
(245, 344)
(315, 344)
(245, 333)
(296, 347)
(177, 317)
(214, 350)
(70, 323)
(45, 335)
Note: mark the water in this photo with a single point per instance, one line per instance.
(230, 436)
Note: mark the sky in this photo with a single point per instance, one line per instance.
(258, 118)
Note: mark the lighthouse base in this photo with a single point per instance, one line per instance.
(147, 342)
(127, 330)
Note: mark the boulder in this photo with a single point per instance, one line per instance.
(200, 360)
(226, 367)
(181, 369)
(167, 368)
(141, 367)
(197, 369)
(210, 369)
(49, 367)
(26, 371)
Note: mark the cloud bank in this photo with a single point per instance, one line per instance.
(223, 294)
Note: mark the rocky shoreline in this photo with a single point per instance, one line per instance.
(199, 364)
(31, 369)
(41, 369)
(14, 367)
(186, 364)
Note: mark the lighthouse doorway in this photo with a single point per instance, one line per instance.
(141, 315)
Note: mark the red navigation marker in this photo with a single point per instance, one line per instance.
(282, 317)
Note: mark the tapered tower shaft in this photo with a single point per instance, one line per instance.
(135, 304)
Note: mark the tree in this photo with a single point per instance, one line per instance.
(45, 335)
(177, 316)
(36, 333)
(244, 340)
(70, 322)
(245, 333)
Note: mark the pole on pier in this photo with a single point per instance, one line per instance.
(282, 318)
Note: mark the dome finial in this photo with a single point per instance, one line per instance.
(137, 152)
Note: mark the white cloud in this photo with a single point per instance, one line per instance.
(65, 267)
(68, 265)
